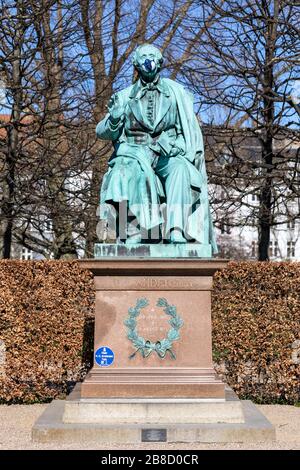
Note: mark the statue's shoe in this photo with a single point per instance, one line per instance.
(177, 237)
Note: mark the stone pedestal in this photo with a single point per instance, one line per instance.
(185, 284)
(176, 398)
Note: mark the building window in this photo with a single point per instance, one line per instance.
(26, 254)
(291, 249)
(273, 249)
(291, 224)
(255, 197)
(48, 225)
(252, 221)
(253, 249)
(225, 226)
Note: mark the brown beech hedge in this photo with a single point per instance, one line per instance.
(46, 329)
(44, 309)
(256, 329)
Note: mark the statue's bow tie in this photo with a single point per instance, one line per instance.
(148, 87)
(151, 86)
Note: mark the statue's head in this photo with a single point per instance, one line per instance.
(147, 60)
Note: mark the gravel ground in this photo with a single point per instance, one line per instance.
(16, 422)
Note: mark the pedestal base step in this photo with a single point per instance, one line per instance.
(155, 383)
(51, 426)
(152, 411)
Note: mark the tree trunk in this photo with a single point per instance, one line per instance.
(12, 146)
(7, 238)
(98, 169)
(54, 140)
(265, 210)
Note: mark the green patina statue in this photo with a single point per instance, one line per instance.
(156, 184)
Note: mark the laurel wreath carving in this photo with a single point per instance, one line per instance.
(145, 346)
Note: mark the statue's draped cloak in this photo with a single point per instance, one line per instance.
(144, 187)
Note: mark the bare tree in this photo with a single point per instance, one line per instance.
(16, 39)
(243, 68)
(42, 141)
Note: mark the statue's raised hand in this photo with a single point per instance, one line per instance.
(116, 110)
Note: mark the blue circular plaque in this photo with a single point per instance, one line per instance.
(104, 356)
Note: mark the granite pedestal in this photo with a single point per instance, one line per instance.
(153, 398)
(184, 283)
